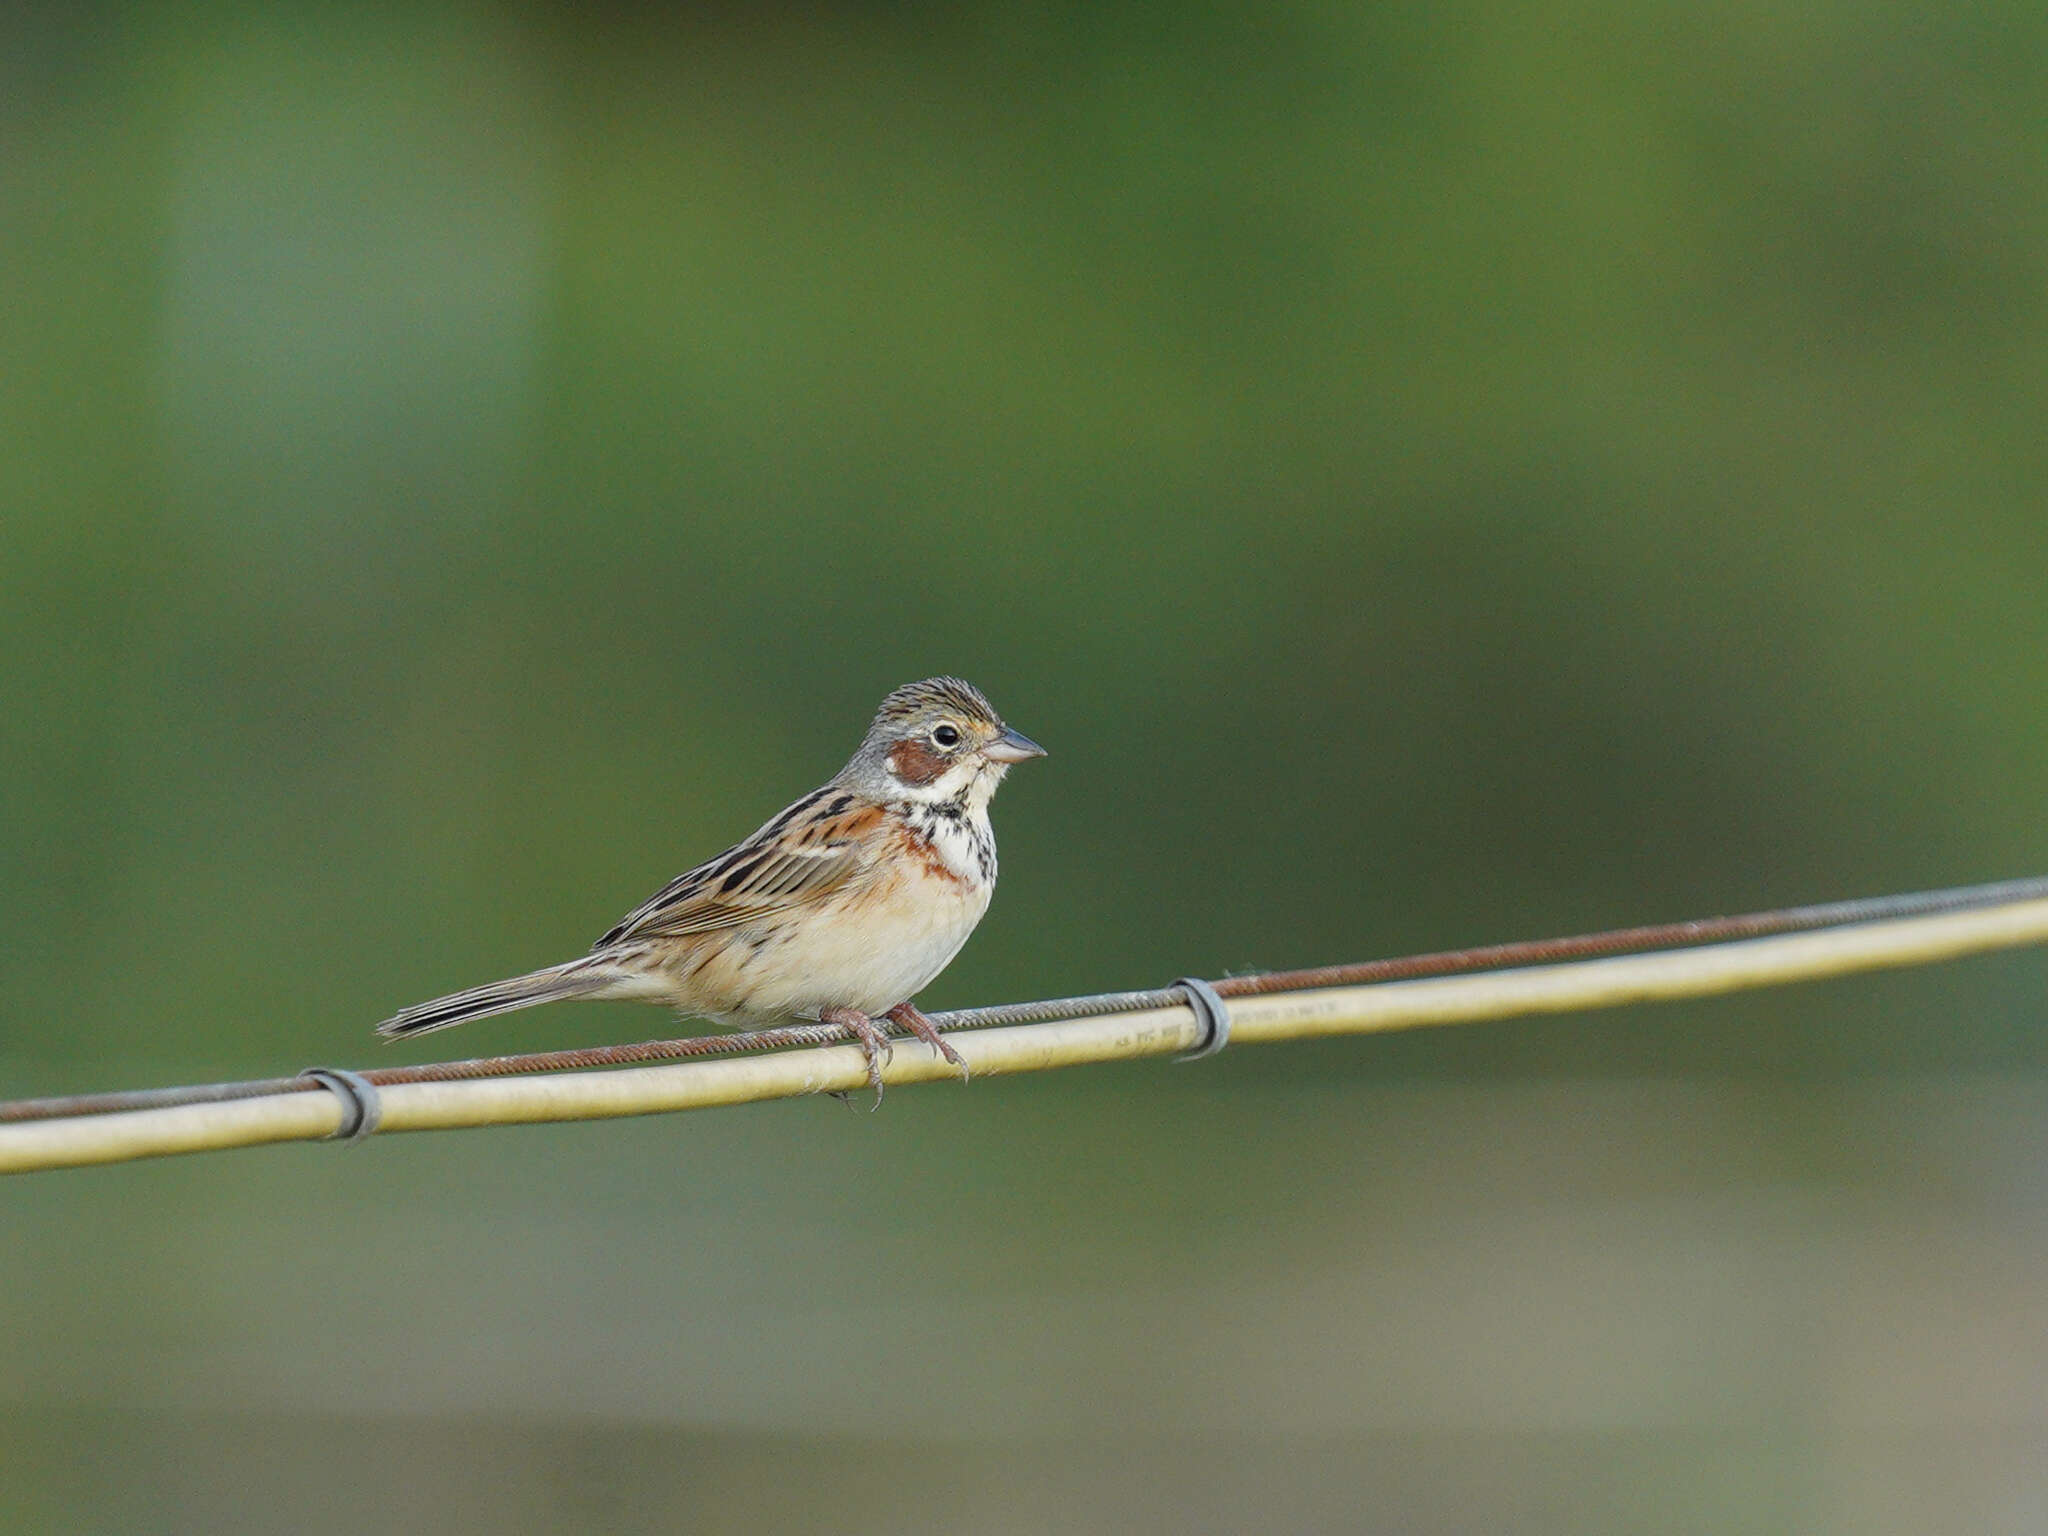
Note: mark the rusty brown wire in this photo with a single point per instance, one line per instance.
(1403, 968)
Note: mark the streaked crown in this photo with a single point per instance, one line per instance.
(940, 695)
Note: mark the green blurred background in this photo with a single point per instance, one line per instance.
(1429, 475)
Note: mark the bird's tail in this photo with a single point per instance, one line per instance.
(591, 976)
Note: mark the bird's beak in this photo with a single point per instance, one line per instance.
(1012, 747)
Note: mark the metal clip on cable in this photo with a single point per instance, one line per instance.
(361, 1109)
(1211, 1013)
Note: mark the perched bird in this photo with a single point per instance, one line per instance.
(840, 909)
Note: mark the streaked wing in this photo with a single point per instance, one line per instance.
(810, 850)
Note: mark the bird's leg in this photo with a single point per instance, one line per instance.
(908, 1015)
(872, 1041)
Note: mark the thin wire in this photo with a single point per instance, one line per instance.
(1051, 1010)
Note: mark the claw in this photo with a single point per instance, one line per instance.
(909, 1016)
(872, 1042)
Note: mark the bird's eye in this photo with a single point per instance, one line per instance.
(945, 736)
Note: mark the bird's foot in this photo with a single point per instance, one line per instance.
(873, 1043)
(909, 1016)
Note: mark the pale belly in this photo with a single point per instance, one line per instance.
(870, 952)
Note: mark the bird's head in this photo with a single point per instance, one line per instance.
(940, 742)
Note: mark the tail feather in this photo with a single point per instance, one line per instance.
(574, 978)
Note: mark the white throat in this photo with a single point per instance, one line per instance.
(952, 813)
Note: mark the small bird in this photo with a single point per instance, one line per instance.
(840, 909)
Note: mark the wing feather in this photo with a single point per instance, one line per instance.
(810, 850)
